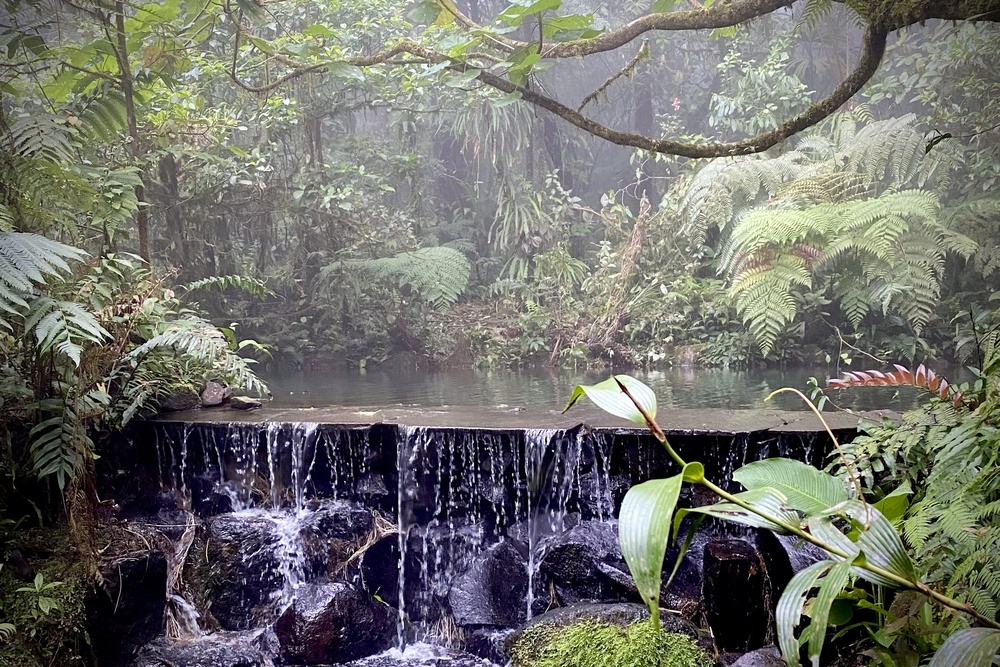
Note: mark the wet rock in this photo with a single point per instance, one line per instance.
(244, 403)
(224, 649)
(421, 655)
(340, 520)
(332, 532)
(371, 484)
(585, 563)
(127, 609)
(180, 397)
(20, 566)
(489, 643)
(242, 572)
(785, 556)
(334, 622)
(768, 656)
(735, 595)
(214, 394)
(378, 569)
(493, 590)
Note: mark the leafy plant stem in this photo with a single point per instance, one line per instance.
(919, 586)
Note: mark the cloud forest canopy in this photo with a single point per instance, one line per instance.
(489, 54)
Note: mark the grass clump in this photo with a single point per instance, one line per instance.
(591, 643)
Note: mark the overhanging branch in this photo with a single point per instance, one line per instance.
(872, 51)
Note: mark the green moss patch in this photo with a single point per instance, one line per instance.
(53, 635)
(591, 643)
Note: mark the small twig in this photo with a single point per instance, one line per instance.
(626, 71)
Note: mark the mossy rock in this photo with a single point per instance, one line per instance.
(595, 643)
(55, 637)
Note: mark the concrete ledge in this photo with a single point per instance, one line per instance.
(686, 422)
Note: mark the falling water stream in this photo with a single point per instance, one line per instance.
(454, 493)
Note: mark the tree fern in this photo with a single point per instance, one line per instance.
(26, 261)
(884, 253)
(438, 275)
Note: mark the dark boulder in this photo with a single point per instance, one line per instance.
(224, 649)
(241, 573)
(378, 569)
(492, 591)
(768, 656)
(488, 643)
(735, 592)
(127, 609)
(180, 397)
(334, 622)
(340, 520)
(215, 393)
(585, 563)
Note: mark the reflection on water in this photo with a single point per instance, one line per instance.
(549, 388)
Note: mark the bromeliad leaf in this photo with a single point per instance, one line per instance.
(975, 647)
(854, 526)
(833, 584)
(790, 606)
(807, 489)
(644, 529)
(770, 501)
(609, 397)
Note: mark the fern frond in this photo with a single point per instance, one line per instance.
(253, 286)
(26, 261)
(41, 136)
(439, 275)
(63, 326)
(59, 443)
(205, 344)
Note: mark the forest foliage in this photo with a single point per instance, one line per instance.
(361, 181)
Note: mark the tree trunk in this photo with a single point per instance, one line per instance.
(128, 91)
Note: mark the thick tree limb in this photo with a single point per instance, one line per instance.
(873, 48)
(882, 16)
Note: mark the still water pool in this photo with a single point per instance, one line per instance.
(549, 389)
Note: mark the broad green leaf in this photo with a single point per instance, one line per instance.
(807, 489)
(556, 26)
(870, 533)
(345, 71)
(833, 584)
(426, 13)
(767, 500)
(318, 30)
(893, 507)
(975, 647)
(463, 79)
(262, 44)
(609, 397)
(643, 531)
(789, 609)
(505, 100)
(521, 9)
(663, 5)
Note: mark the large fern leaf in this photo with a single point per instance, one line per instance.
(26, 261)
(438, 275)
